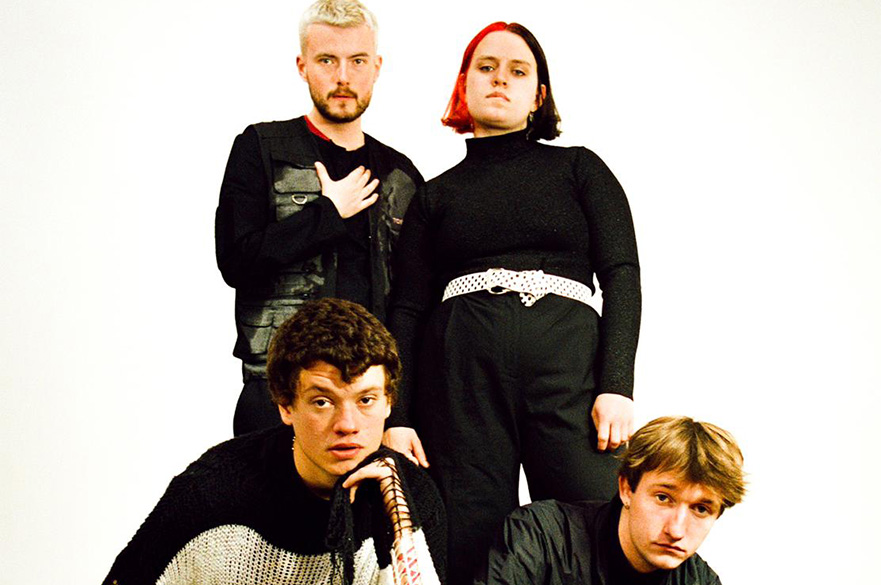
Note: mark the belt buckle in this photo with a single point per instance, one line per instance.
(492, 279)
(534, 286)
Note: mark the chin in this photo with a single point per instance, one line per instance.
(667, 563)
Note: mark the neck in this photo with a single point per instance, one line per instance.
(346, 134)
(636, 561)
(311, 478)
(484, 131)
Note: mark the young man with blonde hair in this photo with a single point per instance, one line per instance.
(677, 476)
(311, 207)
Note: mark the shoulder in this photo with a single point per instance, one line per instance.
(242, 457)
(393, 159)
(555, 518)
(425, 494)
(696, 570)
(282, 128)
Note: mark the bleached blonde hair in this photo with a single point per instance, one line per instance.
(343, 13)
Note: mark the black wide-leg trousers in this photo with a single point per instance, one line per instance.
(502, 384)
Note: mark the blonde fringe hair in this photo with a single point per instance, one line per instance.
(702, 452)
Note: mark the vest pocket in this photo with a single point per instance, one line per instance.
(293, 187)
(255, 329)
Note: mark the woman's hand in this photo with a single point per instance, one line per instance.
(350, 195)
(613, 418)
(404, 440)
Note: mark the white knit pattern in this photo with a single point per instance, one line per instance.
(531, 284)
(238, 555)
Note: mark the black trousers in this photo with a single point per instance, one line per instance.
(255, 409)
(502, 384)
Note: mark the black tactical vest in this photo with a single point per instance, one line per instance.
(289, 156)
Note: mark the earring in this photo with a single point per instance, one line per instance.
(529, 118)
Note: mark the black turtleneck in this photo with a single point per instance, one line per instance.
(518, 204)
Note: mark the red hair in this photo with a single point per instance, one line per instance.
(457, 116)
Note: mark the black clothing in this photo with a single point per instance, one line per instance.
(280, 243)
(521, 205)
(490, 383)
(501, 395)
(553, 543)
(241, 514)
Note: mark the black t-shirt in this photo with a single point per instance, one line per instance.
(353, 253)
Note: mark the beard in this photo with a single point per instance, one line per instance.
(323, 105)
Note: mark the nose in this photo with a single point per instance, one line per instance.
(675, 527)
(500, 78)
(342, 73)
(345, 422)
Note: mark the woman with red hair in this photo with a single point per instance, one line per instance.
(505, 362)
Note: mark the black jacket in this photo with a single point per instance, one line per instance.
(276, 236)
(553, 543)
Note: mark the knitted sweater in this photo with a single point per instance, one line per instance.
(241, 515)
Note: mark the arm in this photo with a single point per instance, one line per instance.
(167, 529)
(412, 557)
(616, 263)
(518, 556)
(249, 243)
(411, 301)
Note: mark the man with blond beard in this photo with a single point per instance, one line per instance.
(311, 207)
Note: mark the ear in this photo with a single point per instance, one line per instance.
(286, 413)
(301, 67)
(540, 96)
(378, 66)
(624, 491)
(460, 86)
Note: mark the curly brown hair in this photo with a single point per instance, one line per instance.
(341, 333)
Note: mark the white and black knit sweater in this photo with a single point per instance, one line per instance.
(241, 515)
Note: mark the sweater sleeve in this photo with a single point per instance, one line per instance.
(412, 297)
(171, 524)
(616, 264)
(431, 515)
(249, 244)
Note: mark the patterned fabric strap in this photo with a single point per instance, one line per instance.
(531, 284)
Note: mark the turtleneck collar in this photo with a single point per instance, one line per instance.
(499, 147)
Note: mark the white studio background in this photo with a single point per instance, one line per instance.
(747, 134)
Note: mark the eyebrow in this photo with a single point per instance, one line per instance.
(673, 487)
(323, 55)
(325, 390)
(494, 58)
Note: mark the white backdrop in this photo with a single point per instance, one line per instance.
(747, 134)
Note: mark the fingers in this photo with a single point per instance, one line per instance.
(614, 436)
(370, 187)
(602, 437)
(358, 177)
(374, 470)
(365, 203)
(419, 452)
(321, 171)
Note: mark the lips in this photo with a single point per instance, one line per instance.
(344, 95)
(497, 94)
(672, 549)
(344, 451)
